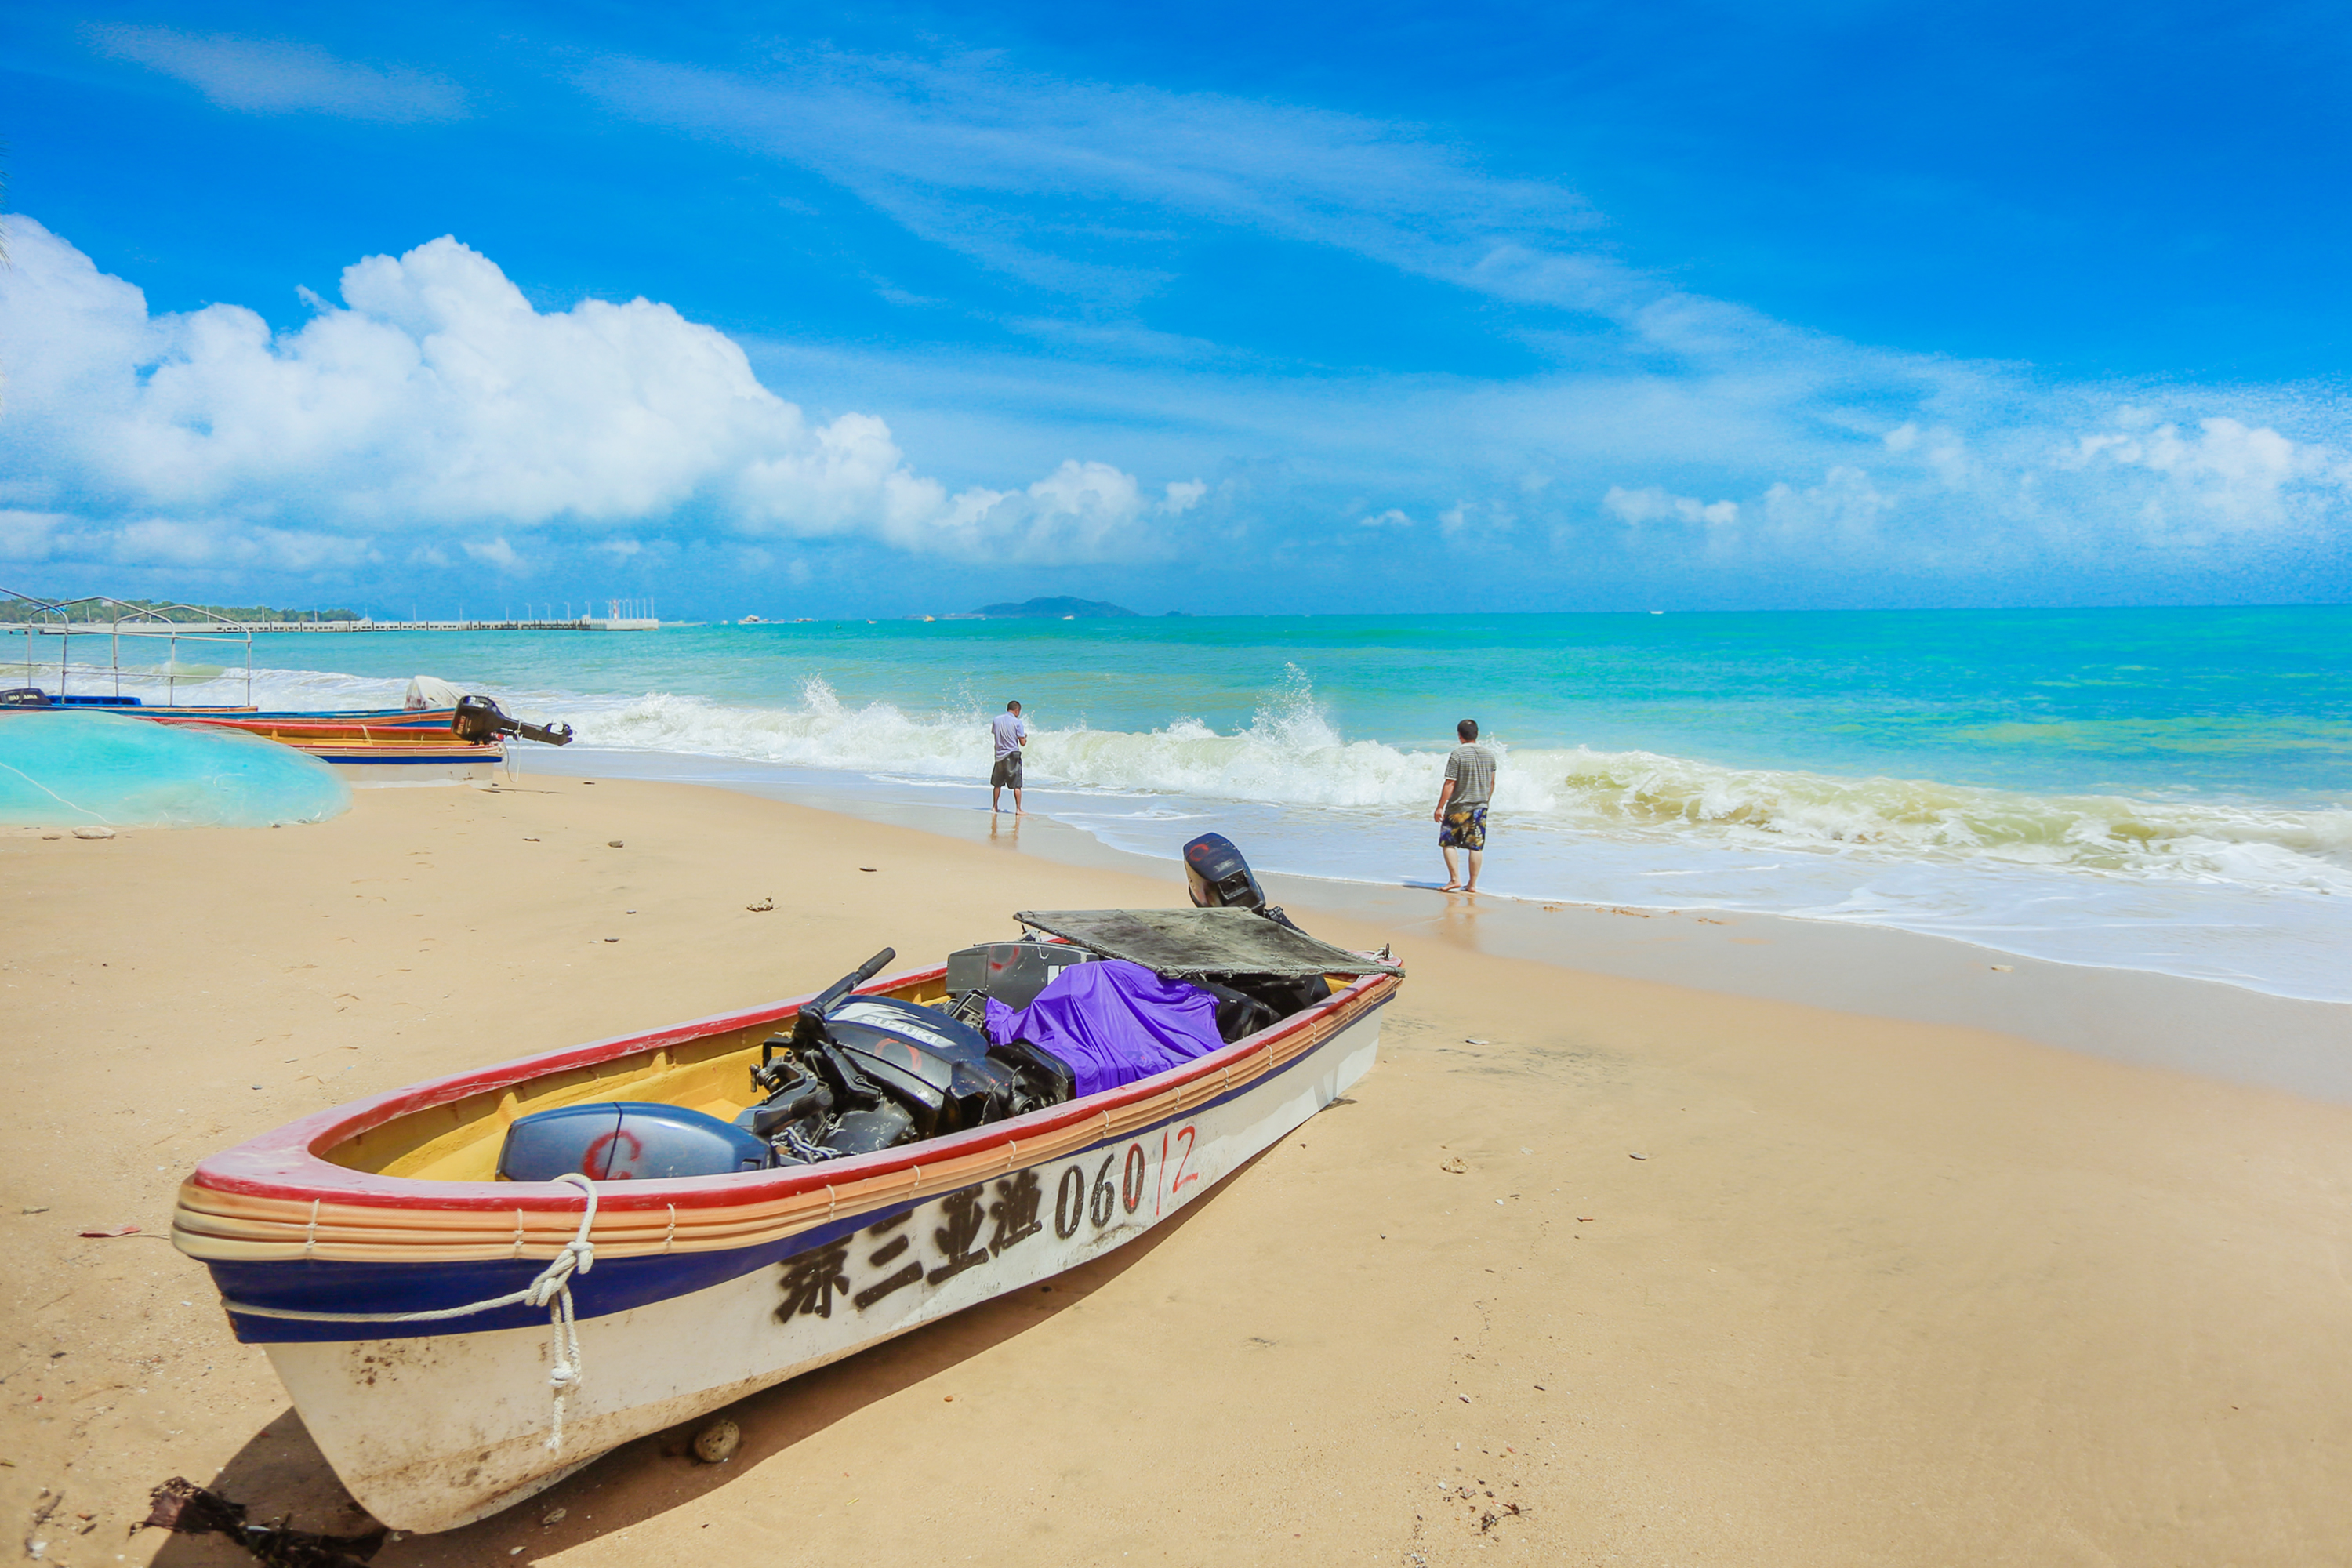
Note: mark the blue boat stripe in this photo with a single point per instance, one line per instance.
(616, 1284)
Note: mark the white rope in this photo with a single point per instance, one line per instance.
(552, 1290)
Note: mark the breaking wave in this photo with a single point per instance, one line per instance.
(1291, 755)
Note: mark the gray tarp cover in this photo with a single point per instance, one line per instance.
(1188, 943)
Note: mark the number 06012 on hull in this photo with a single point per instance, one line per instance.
(368, 1251)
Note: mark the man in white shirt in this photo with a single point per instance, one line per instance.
(1010, 735)
(1461, 814)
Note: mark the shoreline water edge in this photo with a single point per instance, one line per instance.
(2149, 791)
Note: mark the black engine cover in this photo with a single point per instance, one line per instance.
(935, 1066)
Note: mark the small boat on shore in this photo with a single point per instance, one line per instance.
(441, 735)
(463, 739)
(474, 1286)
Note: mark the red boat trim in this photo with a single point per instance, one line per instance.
(285, 1164)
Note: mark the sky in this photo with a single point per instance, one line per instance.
(903, 309)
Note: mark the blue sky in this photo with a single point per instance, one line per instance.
(904, 309)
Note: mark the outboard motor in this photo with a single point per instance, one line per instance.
(862, 1073)
(25, 697)
(1218, 876)
(1219, 879)
(478, 718)
(621, 1140)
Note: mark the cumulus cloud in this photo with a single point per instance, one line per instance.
(2226, 474)
(1845, 509)
(262, 76)
(435, 397)
(1653, 504)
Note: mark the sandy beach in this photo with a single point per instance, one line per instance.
(1725, 1279)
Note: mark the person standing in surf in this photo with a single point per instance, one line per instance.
(1010, 734)
(1461, 814)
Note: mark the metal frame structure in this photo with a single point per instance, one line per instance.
(126, 620)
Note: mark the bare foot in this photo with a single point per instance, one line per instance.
(1451, 887)
(1469, 886)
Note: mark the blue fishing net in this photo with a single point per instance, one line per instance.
(67, 770)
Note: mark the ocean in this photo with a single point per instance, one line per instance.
(2162, 789)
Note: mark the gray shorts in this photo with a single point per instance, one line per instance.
(1006, 774)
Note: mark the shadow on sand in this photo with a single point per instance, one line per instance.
(280, 1470)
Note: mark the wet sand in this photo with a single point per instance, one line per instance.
(1879, 1291)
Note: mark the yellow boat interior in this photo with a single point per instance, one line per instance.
(459, 1141)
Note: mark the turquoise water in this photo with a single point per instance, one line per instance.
(2164, 788)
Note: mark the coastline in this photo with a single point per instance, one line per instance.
(2147, 1017)
(1877, 1291)
(2160, 792)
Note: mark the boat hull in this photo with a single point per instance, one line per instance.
(394, 746)
(431, 1432)
(702, 1290)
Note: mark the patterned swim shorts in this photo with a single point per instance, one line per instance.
(1465, 828)
(1006, 775)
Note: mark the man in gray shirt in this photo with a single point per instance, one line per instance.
(1010, 732)
(1461, 814)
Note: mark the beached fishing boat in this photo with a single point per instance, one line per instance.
(395, 746)
(440, 735)
(475, 1285)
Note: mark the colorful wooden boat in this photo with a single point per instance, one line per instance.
(381, 746)
(455, 1343)
(444, 736)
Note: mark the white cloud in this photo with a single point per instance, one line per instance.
(1652, 504)
(2227, 473)
(1091, 189)
(267, 77)
(1844, 511)
(213, 544)
(495, 552)
(1473, 517)
(937, 144)
(28, 535)
(1391, 518)
(435, 397)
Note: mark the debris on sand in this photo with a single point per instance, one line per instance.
(183, 1508)
(716, 1444)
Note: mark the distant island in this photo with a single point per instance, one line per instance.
(1057, 609)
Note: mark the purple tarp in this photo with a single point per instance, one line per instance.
(1112, 1021)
